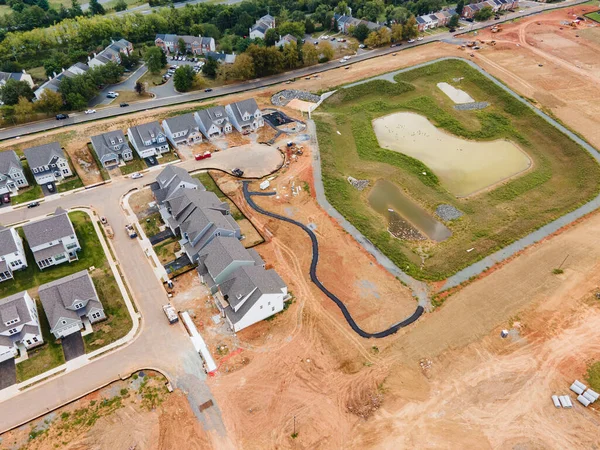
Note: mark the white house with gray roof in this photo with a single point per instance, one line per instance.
(245, 115)
(111, 148)
(12, 175)
(19, 325)
(221, 257)
(182, 129)
(12, 253)
(213, 121)
(69, 301)
(259, 29)
(54, 81)
(18, 76)
(170, 182)
(148, 139)
(48, 163)
(250, 294)
(52, 240)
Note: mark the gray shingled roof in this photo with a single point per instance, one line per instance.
(146, 132)
(245, 106)
(42, 154)
(168, 181)
(7, 241)
(209, 116)
(48, 252)
(103, 147)
(49, 229)
(11, 307)
(221, 252)
(9, 159)
(184, 122)
(60, 294)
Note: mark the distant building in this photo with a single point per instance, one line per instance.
(111, 148)
(182, 129)
(54, 81)
(112, 53)
(287, 39)
(48, 163)
(148, 139)
(197, 45)
(19, 325)
(213, 121)
(18, 76)
(224, 58)
(259, 29)
(245, 115)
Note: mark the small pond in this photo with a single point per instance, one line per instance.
(407, 220)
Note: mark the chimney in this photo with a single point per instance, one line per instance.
(89, 59)
(63, 69)
(95, 54)
(54, 75)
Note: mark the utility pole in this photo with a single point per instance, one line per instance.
(294, 425)
(563, 262)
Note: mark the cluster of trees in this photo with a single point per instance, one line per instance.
(484, 14)
(77, 91)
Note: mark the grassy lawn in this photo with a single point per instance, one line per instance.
(593, 376)
(211, 186)
(151, 223)
(166, 250)
(42, 358)
(135, 165)
(132, 96)
(594, 16)
(27, 195)
(118, 322)
(168, 157)
(563, 177)
(153, 79)
(73, 183)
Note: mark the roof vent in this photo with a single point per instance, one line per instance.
(239, 296)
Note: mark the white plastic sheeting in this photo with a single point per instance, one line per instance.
(198, 342)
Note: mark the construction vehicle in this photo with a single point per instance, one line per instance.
(170, 313)
(471, 44)
(131, 231)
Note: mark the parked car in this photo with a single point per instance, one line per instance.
(90, 111)
(62, 116)
(410, 41)
(420, 38)
(452, 30)
(170, 313)
(393, 45)
(152, 160)
(50, 187)
(131, 231)
(208, 90)
(112, 94)
(237, 172)
(362, 46)
(103, 220)
(123, 105)
(33, 204)
(136, 175)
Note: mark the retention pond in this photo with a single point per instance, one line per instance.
(407, 220)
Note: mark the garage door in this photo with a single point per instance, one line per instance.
(70, 330)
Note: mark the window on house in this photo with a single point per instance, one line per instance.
(64, 322)
(35, 170)
(35, 339)
(28, 342)
(65, 171)
(78, 305)
(96, 315)
(13, 331)
(260, 306)
(273, 308)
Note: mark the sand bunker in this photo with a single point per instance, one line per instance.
(458, 96)
(464, 167)
(301, 105)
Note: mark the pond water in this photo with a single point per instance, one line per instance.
(464, 167)
(407, 220)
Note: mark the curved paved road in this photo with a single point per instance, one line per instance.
(113, 111)
(313, 271)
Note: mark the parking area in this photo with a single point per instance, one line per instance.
(151, 161)
(48, 190)
(8, 373)
(73, 346)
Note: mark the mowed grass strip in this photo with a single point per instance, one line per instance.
(563, 176)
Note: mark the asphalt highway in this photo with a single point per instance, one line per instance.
(113, 111)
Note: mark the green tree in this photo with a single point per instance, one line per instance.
(360, 32)
(139, 88)
(325, 51)
(121, 5)
(96, 8)
(293, 28)
(271, 37)
(184, 78)
(310, 55)
(156, 59)
(484, 14)
(75, 9)
(50, 102)
(398, 14)
(181, 46)
(309, 26)
(373, 10)
(410, 30)
(342, 8)
(460, 4)
(290, 55)
(23, 108)
(396, 32)
(13, 90)
(210, 67)
(372, 39)
(453, 22)
(322, 15)
(129, 61)
(75, 101)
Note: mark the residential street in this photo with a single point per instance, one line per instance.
(113, 111)
(158, 345)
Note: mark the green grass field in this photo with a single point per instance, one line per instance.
(563, 177)
(594, 16)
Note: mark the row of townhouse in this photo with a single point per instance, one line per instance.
(259, 29)
(197, 45)
(438, 19)
(153, 138)
(70, 304)
(112, 53)
(244, 291)
(18, 76)
(469, 11)
(344, 23)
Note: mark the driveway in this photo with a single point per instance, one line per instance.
(8, 373)
(47, 191)
(126, 85)
(73, 346)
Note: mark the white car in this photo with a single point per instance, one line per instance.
(91, 111)
(461, 28)
(410, 41)
(136, 175)
(112, 94)
(420, 38)
(362, 46)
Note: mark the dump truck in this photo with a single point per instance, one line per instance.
(170, 313)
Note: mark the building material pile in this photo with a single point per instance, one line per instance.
(358, 184)
(282, 98)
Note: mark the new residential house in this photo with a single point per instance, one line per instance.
(469, 11)
(148, 139)
(12, 254)
(221, 57)
(213, 121)
(12, 176)
(197, 45)
(182, 129)
(259, 29)
(250, 294)
(198, 217)
(171, 181)
(48, 163)
(221, 257)
(245, 115)
(287, 39)
(19, 325)
(111, 148)
(70, 301)
(52, 240)
(345, 22)
(112, 53)
(19, 76)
